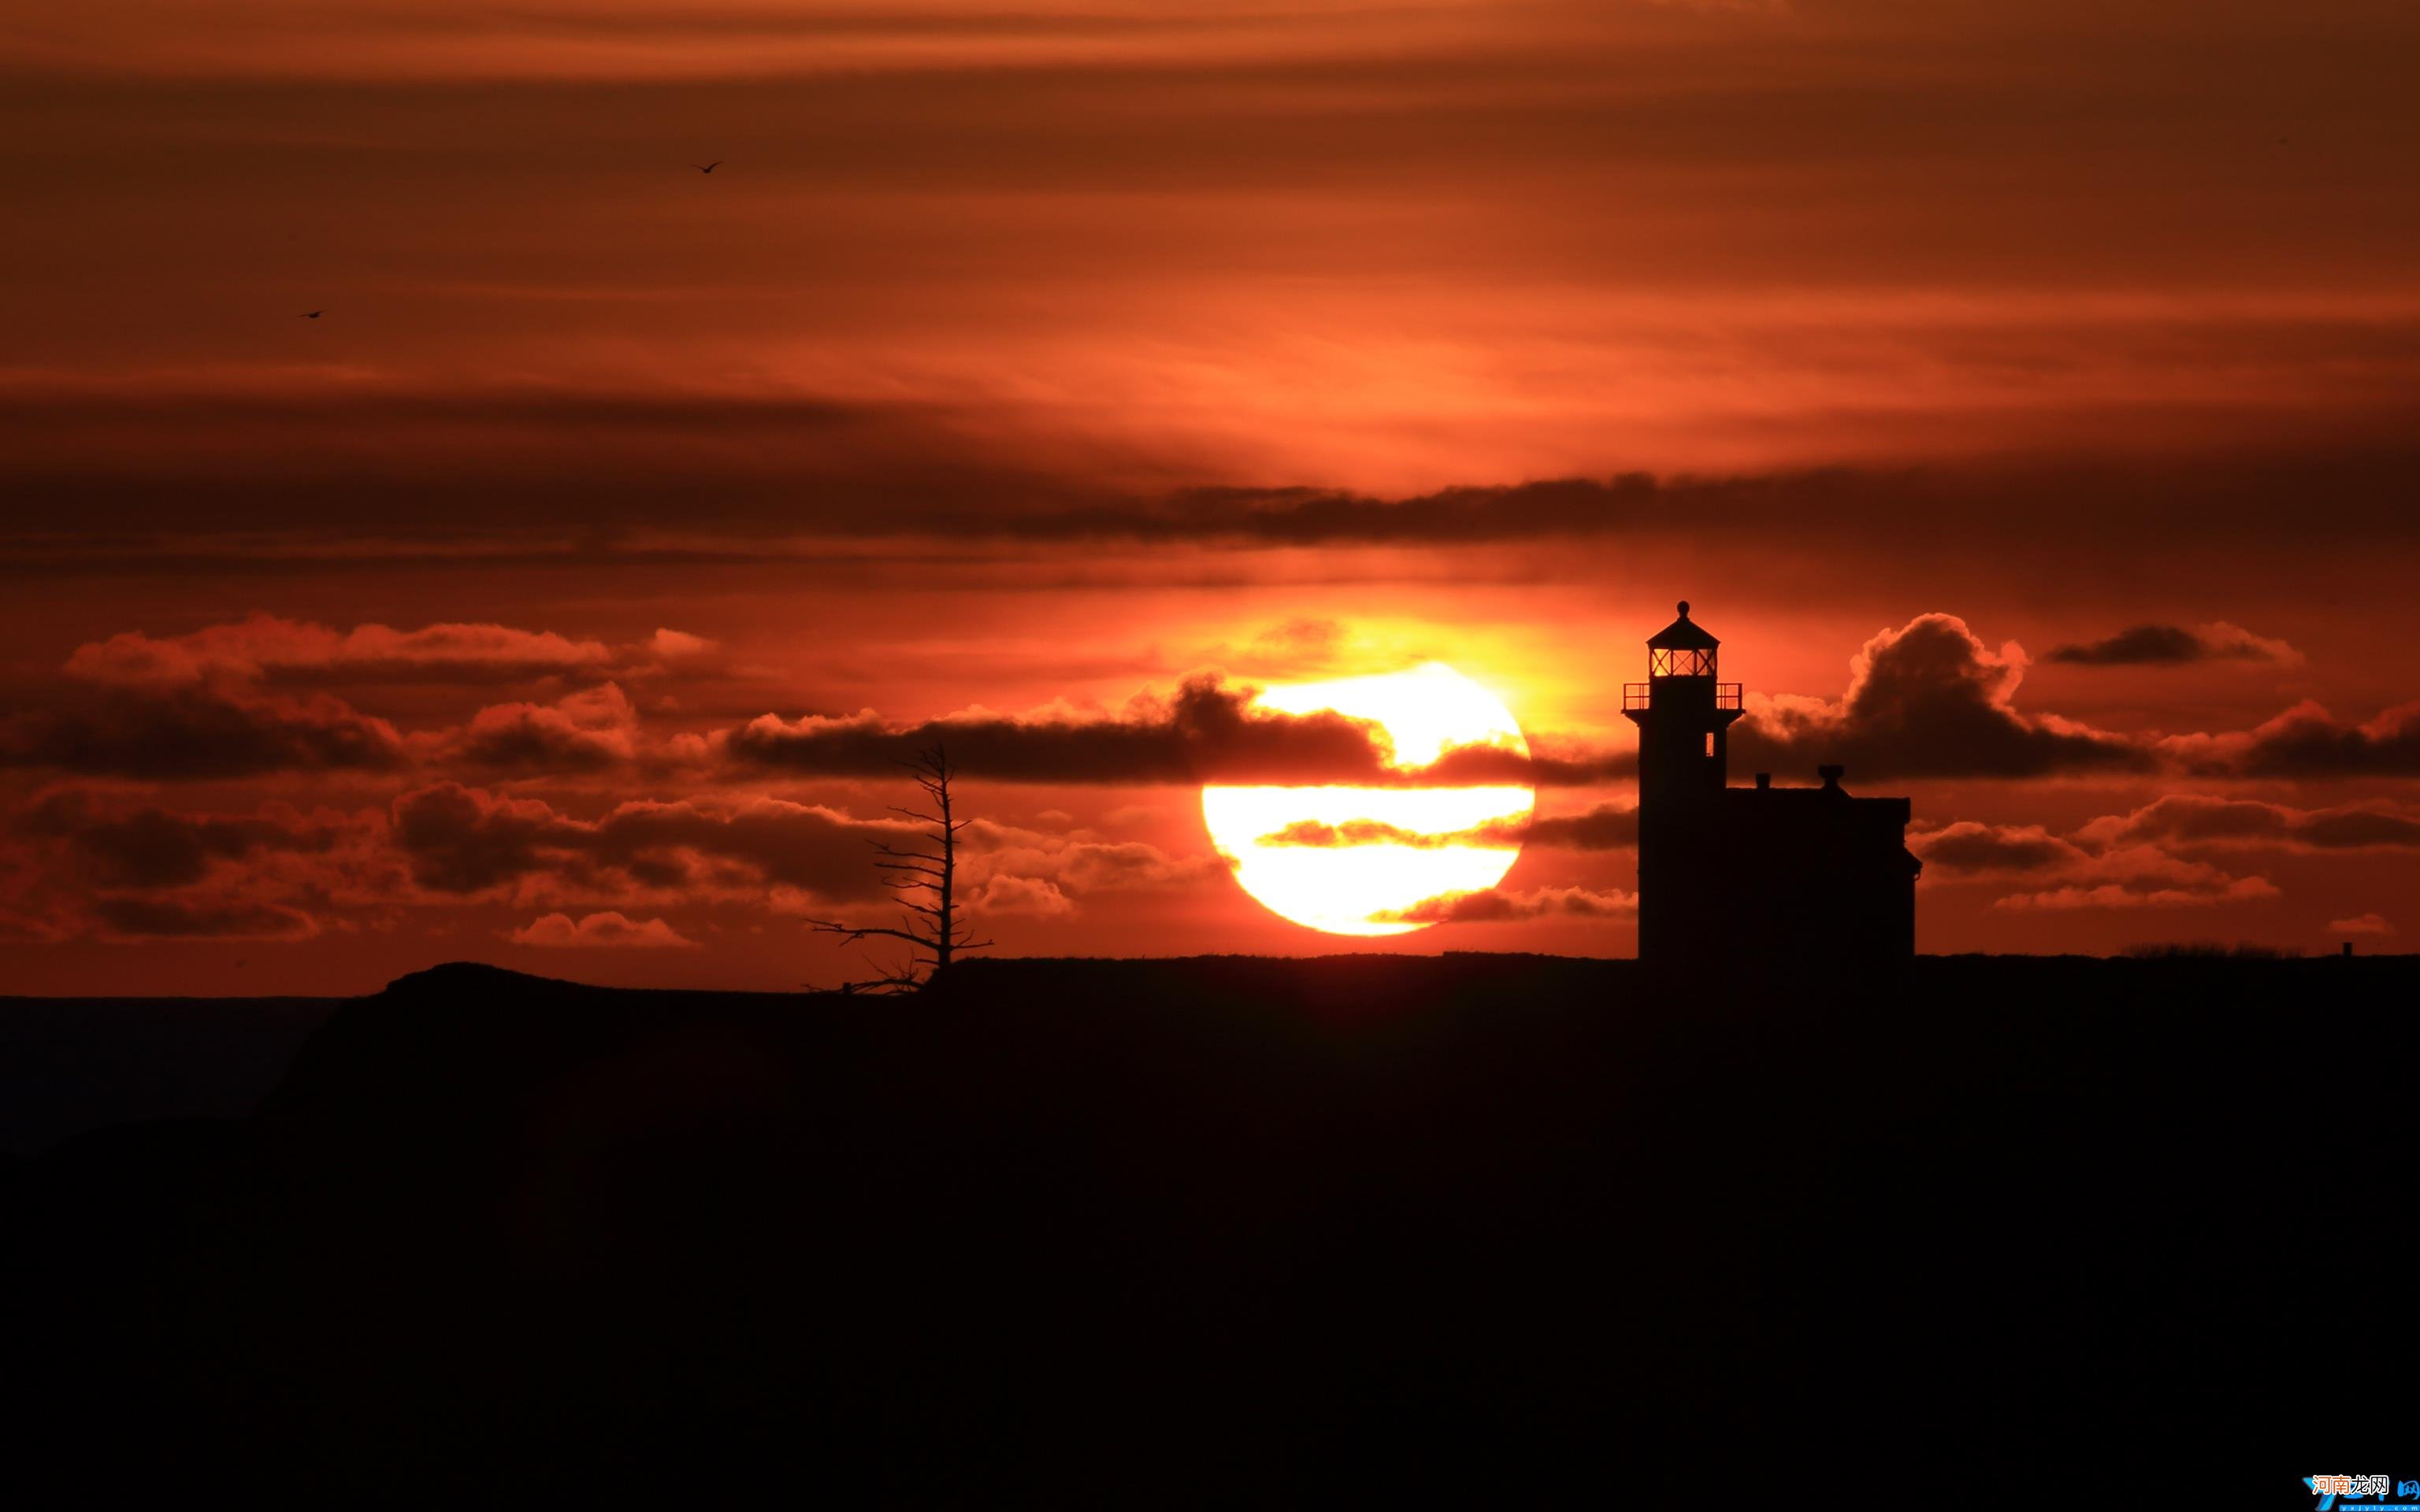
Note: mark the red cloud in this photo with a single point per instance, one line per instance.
(2364, 924)
(1311, 833)
(1927, 700)
(2191, 818)
(265, 648)
(607, 930)
(1604, 827)
(584, 732)
(2141, 876)
(2098, 867)
(2307, 741)
(1492, 906)
(2121, 895)
(174, 919)
(1080, 862)
(2171, 645)
(1970, 848)
(175, 732)
(1037, 896)
(1208, 731)
(92, 863)
(463, 841)
(153, 847)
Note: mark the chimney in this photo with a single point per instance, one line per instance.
(2348, 949)
(1763, 781)
(1831, 775)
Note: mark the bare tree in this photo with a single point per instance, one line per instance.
(924, 880)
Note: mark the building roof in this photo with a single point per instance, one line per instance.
(1813, 799)
(1683, 634)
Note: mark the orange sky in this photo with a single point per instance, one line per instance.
(1033, 358)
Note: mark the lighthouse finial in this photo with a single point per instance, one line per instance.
(1685, 608)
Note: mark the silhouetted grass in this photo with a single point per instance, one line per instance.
(2206, 950)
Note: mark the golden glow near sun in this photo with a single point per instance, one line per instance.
(1351, 888)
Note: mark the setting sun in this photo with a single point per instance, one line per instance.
(1358, 860)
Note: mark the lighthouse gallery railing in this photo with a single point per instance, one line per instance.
(1636, 695)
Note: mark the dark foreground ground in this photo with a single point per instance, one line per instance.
(1501, 1228)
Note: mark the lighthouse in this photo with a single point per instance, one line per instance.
(1758, 877)
(1684, 715)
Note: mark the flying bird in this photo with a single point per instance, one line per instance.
(707, 167)
(311, 315)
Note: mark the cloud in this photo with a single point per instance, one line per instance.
(1493, 906)
(2103, 865)
(187, 731)
(1078, 861)
(2119, 895)
(2173, 645)
(2185, 818)
(1206, 731)
(586, 731)
(1967, 848)
(566, 46)
(1554, 761)
(208, 705)
(2139, 846)
(1313, 833)
(678, 645)
(83, 862)
(463, 841)
(77, 862)
(1810, 508)
(1927, 700)
(1037, 897)
(153, 847)
(267, 649)
(607, 930)
(2307, 741)
(170, 918)
(1298, 647)
(2141, 876)
(1604, 827)
(570, 475)
(17, 924)
(2361, 924)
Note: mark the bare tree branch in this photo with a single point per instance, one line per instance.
(936, 926)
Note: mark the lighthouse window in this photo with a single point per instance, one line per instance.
(1710, 744)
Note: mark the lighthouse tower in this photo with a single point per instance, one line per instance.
(1684, 716)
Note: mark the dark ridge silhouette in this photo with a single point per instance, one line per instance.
(71, 1065)
(1232, 1229)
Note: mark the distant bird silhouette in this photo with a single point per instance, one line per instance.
(707, 167)
(311, 315)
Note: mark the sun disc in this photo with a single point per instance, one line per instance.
(1354, 860)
